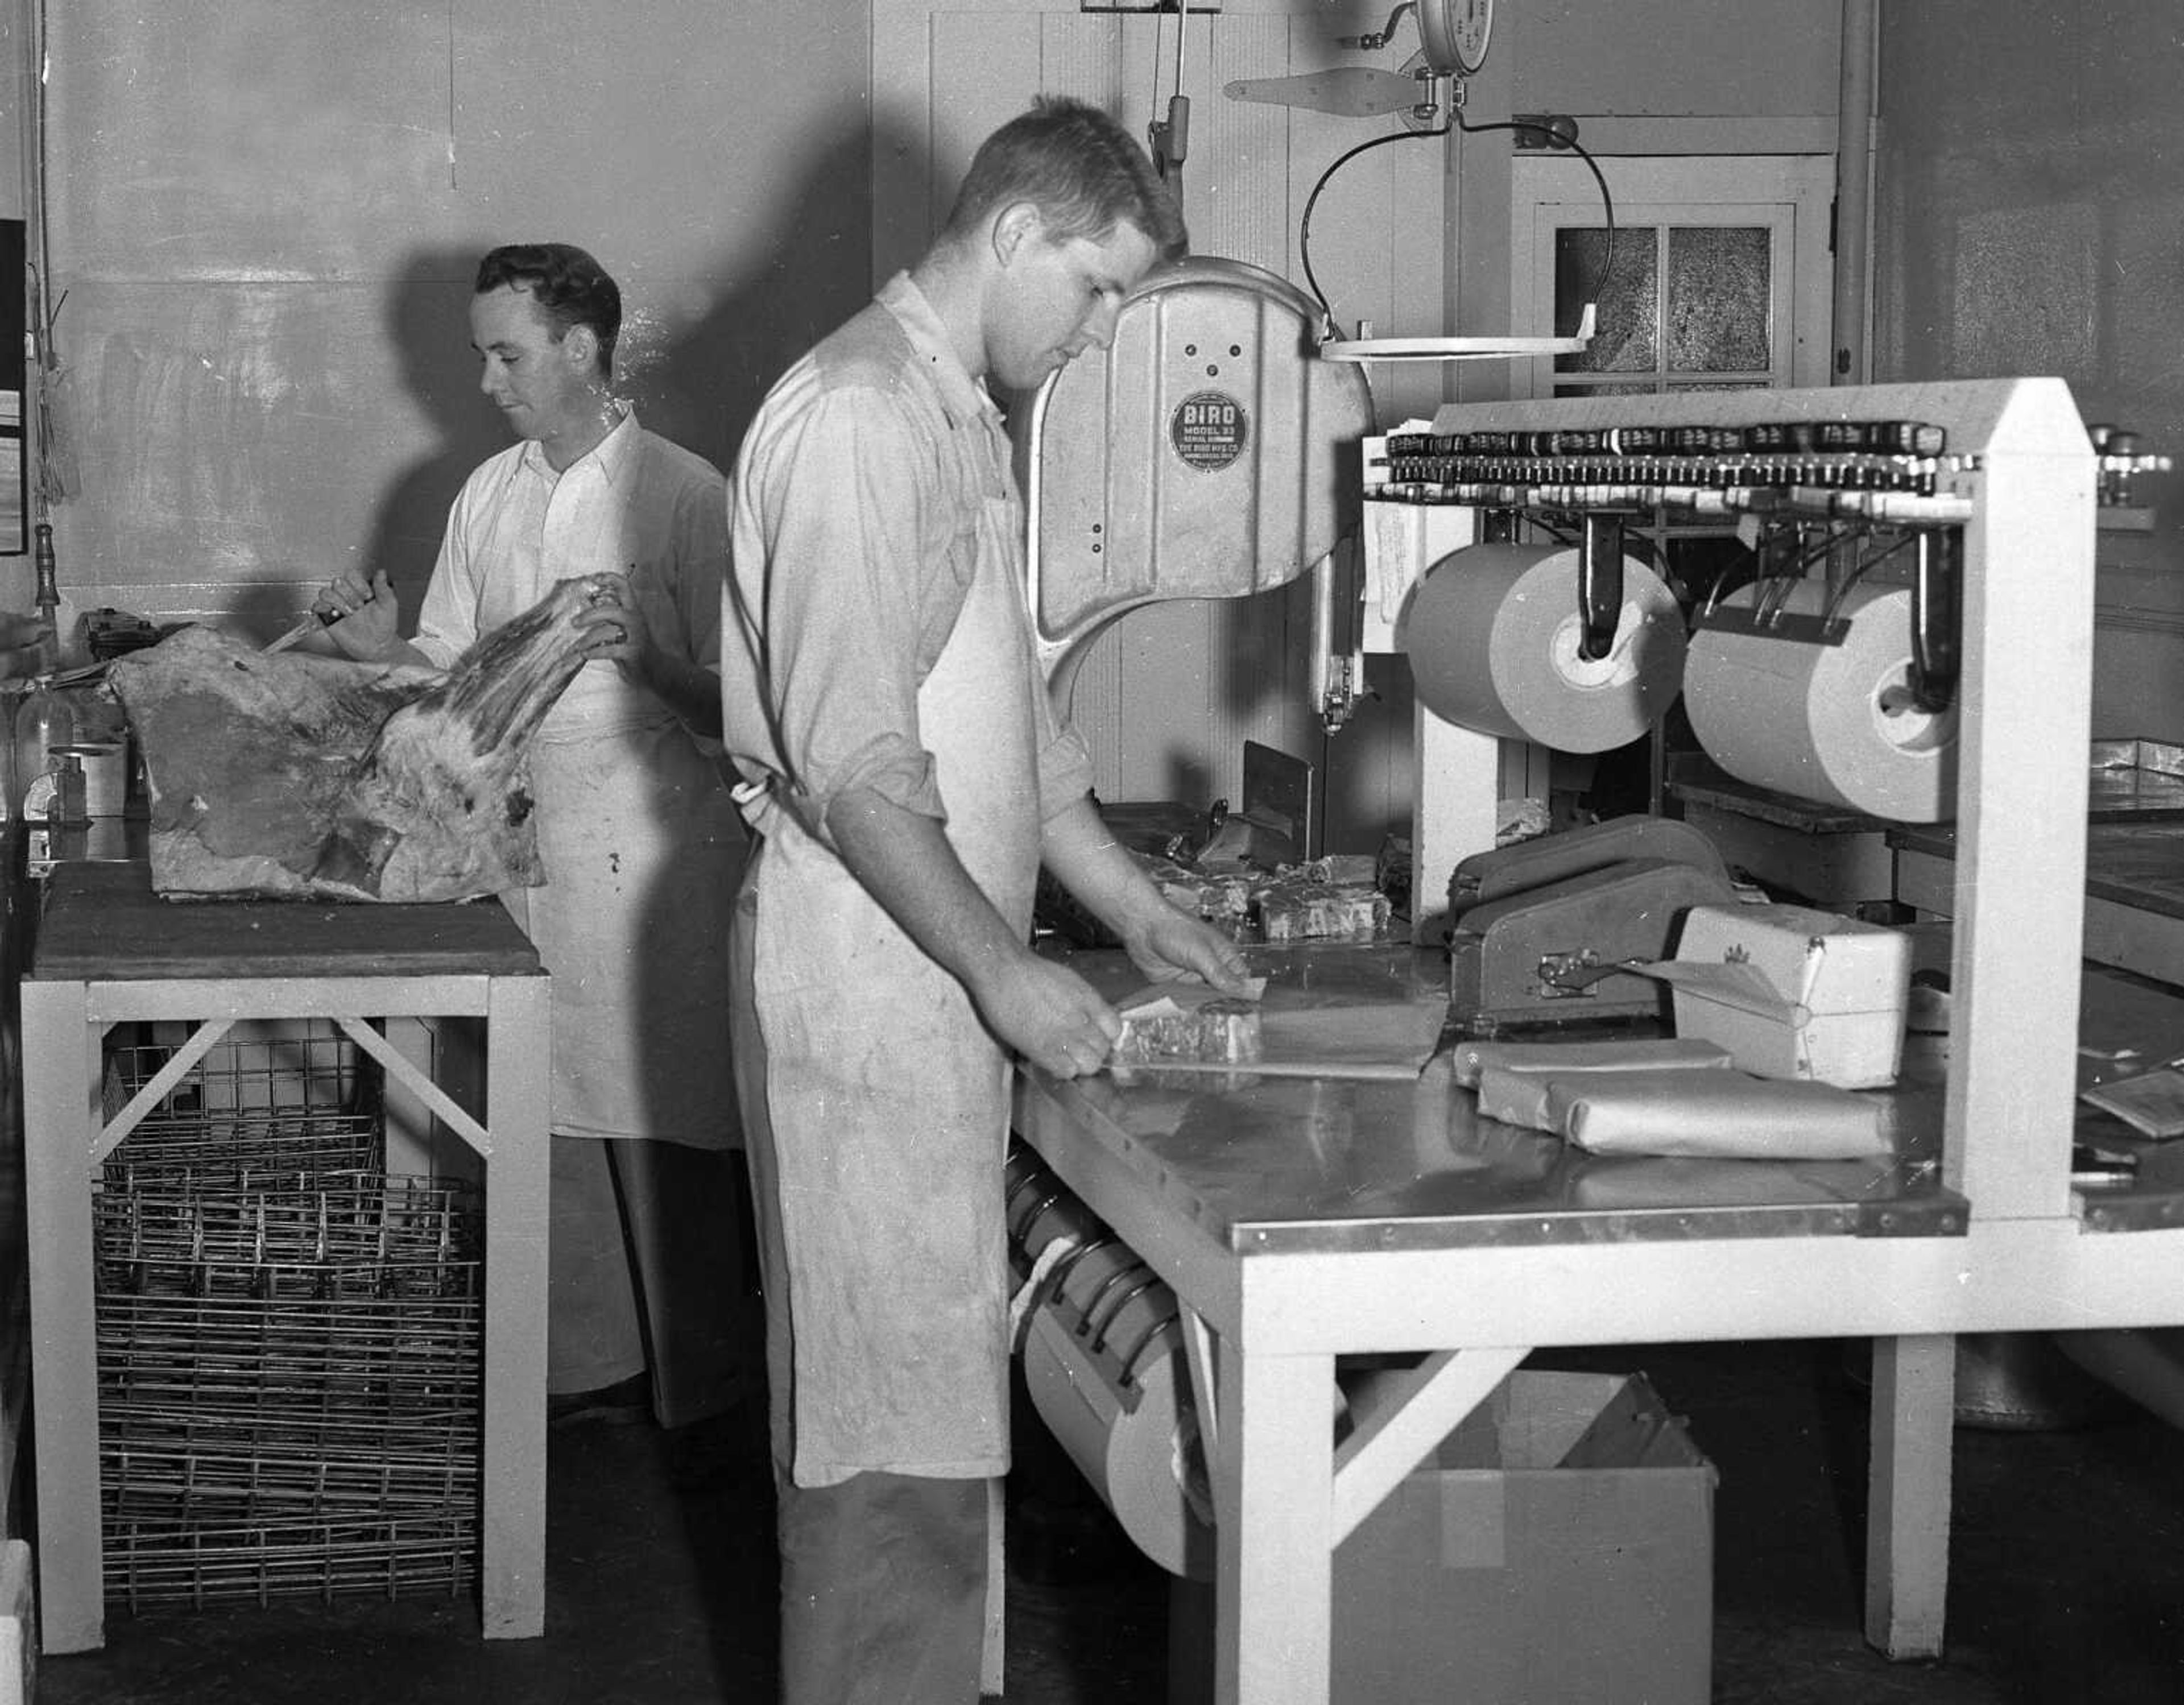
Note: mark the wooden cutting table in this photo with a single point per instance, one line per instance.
(107, 952)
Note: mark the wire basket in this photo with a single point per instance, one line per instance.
(291, 1385)
(298, 1099)
(149, 1566)
(345, 1235)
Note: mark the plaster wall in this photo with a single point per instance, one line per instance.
(2030, 219)
(265, 213)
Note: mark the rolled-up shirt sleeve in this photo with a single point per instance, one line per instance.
(447, 619)
(845, 493)
(1065, 762)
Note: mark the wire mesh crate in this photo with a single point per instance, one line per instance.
(292, 1098)
(150, 1566)
(290, 1344)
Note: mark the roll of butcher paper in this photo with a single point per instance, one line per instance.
(1494, 636)
(1832, 724)
(1138, 1447)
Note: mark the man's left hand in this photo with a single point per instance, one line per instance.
(617, 630)
(1168, 944)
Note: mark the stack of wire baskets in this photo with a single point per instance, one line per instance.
(290, 1340)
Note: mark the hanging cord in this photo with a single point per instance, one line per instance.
(1304, 225)
(1858, 573)
(1767, 603)
(1774, 589)
(1771, 589)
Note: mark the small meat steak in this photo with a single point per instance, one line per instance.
(1194, 1025)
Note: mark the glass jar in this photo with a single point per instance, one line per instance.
(46, 718)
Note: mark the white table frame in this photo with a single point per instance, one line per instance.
(1263, 1330)
(66, 1135)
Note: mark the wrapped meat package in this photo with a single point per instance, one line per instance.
(1292, 909)
(1190, 1025)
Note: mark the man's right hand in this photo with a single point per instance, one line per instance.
(362, 621)
(1046, 1012)
(1051, 1017)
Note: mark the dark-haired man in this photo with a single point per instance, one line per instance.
(639, 836)
(910, 777)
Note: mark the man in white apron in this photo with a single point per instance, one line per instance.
(640, 839)
(908, 777)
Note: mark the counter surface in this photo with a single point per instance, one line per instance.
(104, 921)
(1268, 1164)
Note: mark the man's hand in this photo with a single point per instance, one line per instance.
(1164, 942)
(1049, 1014)
(1168, 944)
(614, 628)
(362, 619)
(618, 629)
(1044, 1011)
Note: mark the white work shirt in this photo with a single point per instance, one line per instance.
(639, 838)
(634, 504)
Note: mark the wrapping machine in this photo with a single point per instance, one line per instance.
(1540, 929)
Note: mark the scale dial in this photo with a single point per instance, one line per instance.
(1455, 33)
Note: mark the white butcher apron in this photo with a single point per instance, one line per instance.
(890, 1099)
(638, 834)
(642, 847)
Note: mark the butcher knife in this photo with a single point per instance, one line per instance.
(309, 623)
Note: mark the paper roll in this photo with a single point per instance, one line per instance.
(1493, 635)
(1832, 724)
(1138, 1451)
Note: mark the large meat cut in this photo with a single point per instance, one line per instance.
(295, 775)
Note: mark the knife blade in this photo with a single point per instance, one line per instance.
(309, 623)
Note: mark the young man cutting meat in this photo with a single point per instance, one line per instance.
(911, 778)
(638, 833)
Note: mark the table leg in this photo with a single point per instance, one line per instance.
(1274, 1490)
(513, 1548)
(61, 1081)
(1907, 1522)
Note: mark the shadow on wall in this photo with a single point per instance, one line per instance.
(812, 271)
(428, 322)
(779, 288)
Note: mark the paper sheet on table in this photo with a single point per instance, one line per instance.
(1470, 1057)
(1737, 985)
(1170, 1000)
(2152, 1102)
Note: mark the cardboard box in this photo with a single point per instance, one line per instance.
(19, 1624)
(1792, 991)
(1557, 1549)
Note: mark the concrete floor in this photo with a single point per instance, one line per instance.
(2067, 1577)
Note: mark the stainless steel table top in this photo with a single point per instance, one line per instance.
(1269, 1164)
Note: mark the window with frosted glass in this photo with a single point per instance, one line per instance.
(1718, 294)
(1626, 333)
(1686, 306)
